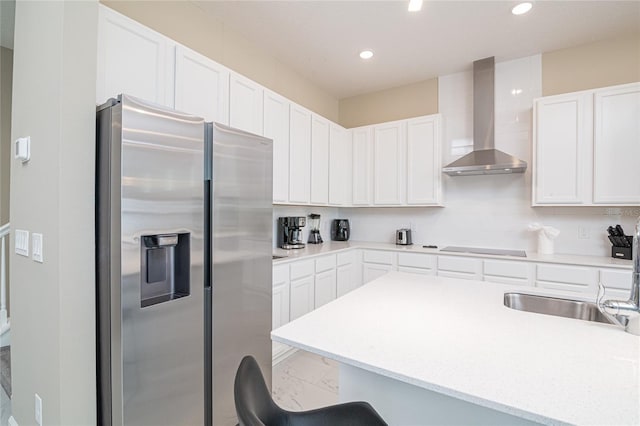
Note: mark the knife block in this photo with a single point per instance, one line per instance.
(621, 253)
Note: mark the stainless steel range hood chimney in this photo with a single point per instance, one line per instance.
(484, 159)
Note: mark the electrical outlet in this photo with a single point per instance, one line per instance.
(583, 233)
(38, 410)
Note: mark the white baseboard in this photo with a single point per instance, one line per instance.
(12, 421)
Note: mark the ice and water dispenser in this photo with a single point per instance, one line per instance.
(164, 273)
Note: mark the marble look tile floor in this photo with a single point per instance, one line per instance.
(5, 407)
(305, 381)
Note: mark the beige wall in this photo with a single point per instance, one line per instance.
(6, 72)
(53, 303)
(184, 22)
(599, 64)
(407, 101)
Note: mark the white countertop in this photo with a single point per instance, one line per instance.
(335, 246)
(456, 337)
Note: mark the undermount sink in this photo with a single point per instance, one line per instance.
(555, 306)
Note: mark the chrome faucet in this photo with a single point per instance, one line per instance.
(627, 313)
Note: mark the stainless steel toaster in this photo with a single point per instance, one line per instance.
(403, 237)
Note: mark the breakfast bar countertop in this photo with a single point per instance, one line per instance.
(456, 337)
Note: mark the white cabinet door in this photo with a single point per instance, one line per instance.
(276, 127)
(616, 175)
(424, 165)
(371, 271)
(319, 160)
(508, 272)
(340, 166)
(201, 86)
(301, 297)
(325, 290)
(581, 279)
(280, 313)
(562, 138)
(460, 267)
(299, 155)
(132, 59)
(362, 166)
(346, 279)
(389, 146)
(245, 104)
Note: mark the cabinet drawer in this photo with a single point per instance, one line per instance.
(575, 275)
(325, 263)
(618, 279)
(346, 257)
(500, 268)
(459, 264)
(417, 260)
(377, 256)
(301, 269)
(412, 270)
(280, 274)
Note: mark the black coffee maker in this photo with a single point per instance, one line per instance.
(290, 232)
(340, 230)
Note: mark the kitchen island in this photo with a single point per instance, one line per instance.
(432, 350)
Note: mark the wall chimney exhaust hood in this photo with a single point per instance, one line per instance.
(484, 159)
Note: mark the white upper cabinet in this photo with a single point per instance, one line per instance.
(299, 155)
(362, 166)
(586, 146)
(276, 127)
(132, 59)
(616, 174)
(562, 136)
(201, 86)
(389, 145)
(340, 157)
(319, 160)
(424, 165)
(246, 103)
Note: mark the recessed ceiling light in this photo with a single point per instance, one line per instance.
(366, 54)
(415, 5)
(522, 8)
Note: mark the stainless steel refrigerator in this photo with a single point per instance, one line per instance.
(183, 246)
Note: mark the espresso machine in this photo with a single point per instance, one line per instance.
(290, 232)
(314, 233)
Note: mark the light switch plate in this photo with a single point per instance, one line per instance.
(22, 242)
(23, 149)
(36, 247)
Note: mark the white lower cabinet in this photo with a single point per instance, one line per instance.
(302, 297)
(280, 301)
(347, 276)
(325, 280)
(376, 263)
(302, 288)
(417, 263)
(582, 279)
(509, 272)
(616, 282)
(460, 267)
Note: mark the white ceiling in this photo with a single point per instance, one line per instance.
(321, 39)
